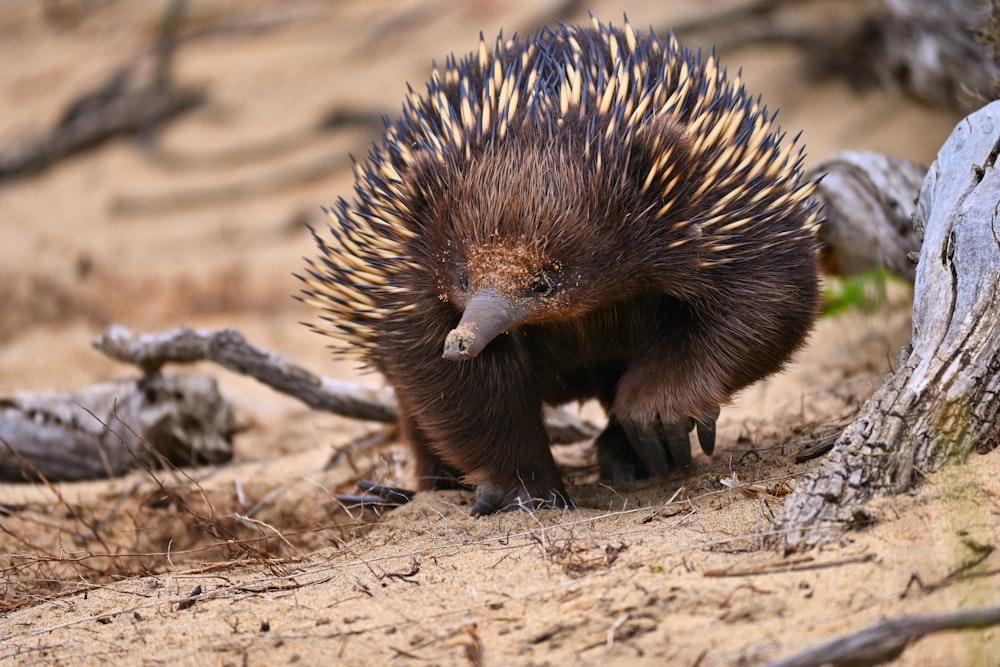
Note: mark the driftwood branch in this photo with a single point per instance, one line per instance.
(229, 349)
(927, 48)
(868, 201)
(109, 429)
(930, 49)
(886, 640)
(943, 403)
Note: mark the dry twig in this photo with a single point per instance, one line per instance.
(784, 565)
(229, 349)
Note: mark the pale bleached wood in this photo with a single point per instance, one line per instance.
(229, 349)
(868, 202)
(943, 403)
(929, 49)
(108, 429)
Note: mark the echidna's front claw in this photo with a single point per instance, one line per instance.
(706, 432)
(662, 446)
(616, 455)
(676, 438)
(491, 498)
(646, 442)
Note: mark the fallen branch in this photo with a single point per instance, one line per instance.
(944, 53)
(886, 640)
(229, 349)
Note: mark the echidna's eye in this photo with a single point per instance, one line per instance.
(541, 285)
(463, 280)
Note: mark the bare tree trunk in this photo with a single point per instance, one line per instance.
(943, 403)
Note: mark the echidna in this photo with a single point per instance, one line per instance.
(588, 213)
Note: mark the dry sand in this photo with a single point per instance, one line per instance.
(673, 573)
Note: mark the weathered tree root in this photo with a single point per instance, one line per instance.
(943, 403)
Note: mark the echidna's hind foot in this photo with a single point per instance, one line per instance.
(492, 498)
(376, 495)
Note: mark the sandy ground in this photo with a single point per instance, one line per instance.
(669, 573)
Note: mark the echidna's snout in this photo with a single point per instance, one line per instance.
(487, 315)
(461, 343)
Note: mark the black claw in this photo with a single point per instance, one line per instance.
(646, 442)
(616, 456)
(378, 495)
(401, 496)
(489, 499)
(662, 446)
(677, 441)
(706, 433)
